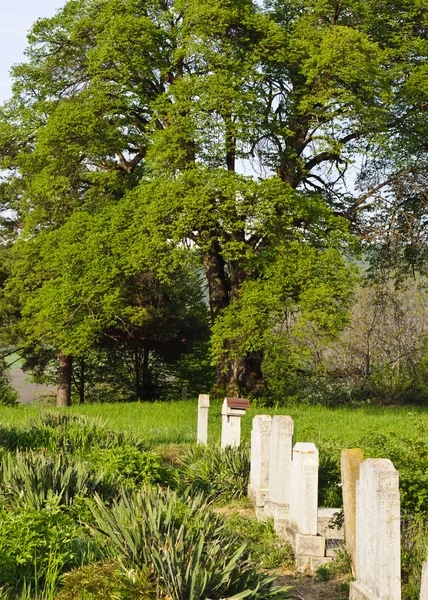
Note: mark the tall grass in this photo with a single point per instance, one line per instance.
(175, 422)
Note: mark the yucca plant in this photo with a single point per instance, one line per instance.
(32, 479)
(184, 544)
(219, 473)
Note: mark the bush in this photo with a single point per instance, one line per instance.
(219, 473)
(37, 545)
(414, 550)
(8, 396)
(126, 465)
(184, 544)
(33, 479)
(103, 580)
(263, 544)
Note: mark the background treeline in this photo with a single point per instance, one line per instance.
(222, 195)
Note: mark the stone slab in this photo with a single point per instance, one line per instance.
(350, 461)
(424, 582)
(378, 556)
(280, 457)
(203, 408)
(304, 489)
(358, 592)
(325, 525)
(309, 545)
(309, 564)
(259, 469)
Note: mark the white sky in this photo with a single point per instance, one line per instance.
(16, 19)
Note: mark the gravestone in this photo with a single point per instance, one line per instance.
(350, 462)
(259, 468)
(378, 568)
(203, 409)
(232, 411)
(277, 504)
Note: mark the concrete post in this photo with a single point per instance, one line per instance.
(424, 582)
(232, 411)
(350, 462)
(277, 504)
(304, 489)
(259, 470)
(378, 533)
(203, 409)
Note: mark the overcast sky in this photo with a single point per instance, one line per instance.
(16, 19)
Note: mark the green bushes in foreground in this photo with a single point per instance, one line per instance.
(80, 518)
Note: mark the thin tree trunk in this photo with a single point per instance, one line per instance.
(82, 381)
(63, 395)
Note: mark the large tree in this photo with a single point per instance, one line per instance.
(155, 106)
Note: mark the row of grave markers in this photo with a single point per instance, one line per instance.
(284, 485)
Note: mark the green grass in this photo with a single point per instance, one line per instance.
(175, 422)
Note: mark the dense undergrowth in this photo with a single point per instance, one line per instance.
(90, 513)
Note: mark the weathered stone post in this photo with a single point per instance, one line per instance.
(277, 504)
(378, 533)
(350, 462)
(304, 489)
(259, 469)
(203, 409)
(424, 582)
(232, 411)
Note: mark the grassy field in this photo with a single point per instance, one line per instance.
(175, 422)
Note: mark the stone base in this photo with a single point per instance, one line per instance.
(358, 592)
(309, 545)
(278, 512)
(257, 495)
(309, 564)
(325, 515)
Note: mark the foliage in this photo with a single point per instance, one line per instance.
(219, 473)
(184, 544)
(102, 580)
(130, 467)
(414, 549)
(35, 479)
(37, 545)
(409, 454)
(8, 396)
(264, 545)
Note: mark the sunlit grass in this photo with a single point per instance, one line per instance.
(175, 422)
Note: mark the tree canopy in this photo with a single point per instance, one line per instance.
(150, 140)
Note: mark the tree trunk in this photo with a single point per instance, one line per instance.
(82, 382)
(63, 395)
(216, 278)
(245, 375)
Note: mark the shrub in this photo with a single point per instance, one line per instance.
(184, 544)
(36, 545)
(103, 580)
(128, 466)
(221, 474)
(414, 550)
(263, 544)
(32, 479)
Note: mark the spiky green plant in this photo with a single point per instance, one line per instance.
(185, 545)
(221, 474)
(32, 479)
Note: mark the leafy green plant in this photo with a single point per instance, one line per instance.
(102, 580)
(37, 545)
(184, 544)
(220, 473)
(263, 544)
(129, 466)
(414, 551)
(323, 573)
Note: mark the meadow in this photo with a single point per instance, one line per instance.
(166, 423)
